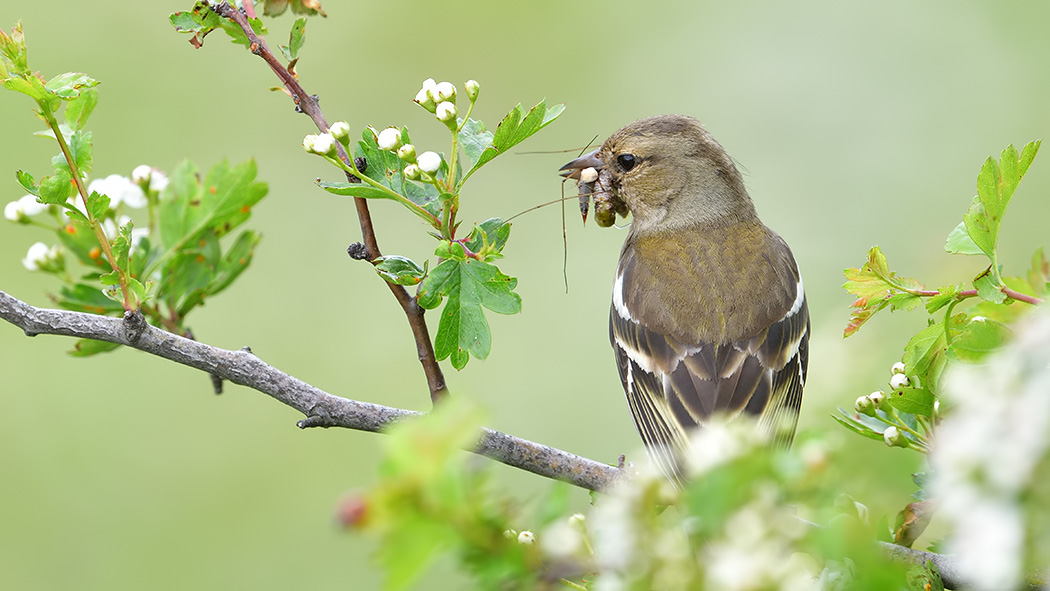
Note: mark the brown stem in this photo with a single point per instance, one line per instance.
(969, 293)
(308, 104)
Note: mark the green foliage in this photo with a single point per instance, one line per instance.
(165, 278)
(201, 20)
(950, 336)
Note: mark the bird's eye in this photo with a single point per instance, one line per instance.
(626, 161)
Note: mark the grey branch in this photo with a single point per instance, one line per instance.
(326, 410)
(321, 408)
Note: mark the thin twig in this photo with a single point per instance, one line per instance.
(321, 408)
(308, 104)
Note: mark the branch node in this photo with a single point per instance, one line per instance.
(134, 325)
(216, 383)
(318, 417)
(358, 252)
(248, 350)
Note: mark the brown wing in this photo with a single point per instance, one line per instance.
(676, 382)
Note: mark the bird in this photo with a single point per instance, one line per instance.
(709, 316)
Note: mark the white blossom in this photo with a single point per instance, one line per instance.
(412, 172)
(119, 189)
(897, 368)
(526, 537)
(309, 141)
(588, 175)
(891, 436)
(429, 162)
(157, 179)
(991, 457)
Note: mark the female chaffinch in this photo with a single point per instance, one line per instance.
(708, 310)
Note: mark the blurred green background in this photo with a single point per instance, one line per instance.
(855, 124)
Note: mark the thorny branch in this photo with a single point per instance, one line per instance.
(326, 410)
(308, 104)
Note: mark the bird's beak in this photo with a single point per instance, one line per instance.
(589, 160)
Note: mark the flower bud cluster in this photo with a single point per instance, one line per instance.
(41, 257)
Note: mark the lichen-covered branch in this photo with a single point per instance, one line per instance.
(321, 408)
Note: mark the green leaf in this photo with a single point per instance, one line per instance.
(79, 109)
(13, 52)
(98, 205)
(923, 348)
(917, 401)
(56, 188)
(296, 39)
(987, 285)
(489, 238)
(80, 147)
(28, 182)
(200, 21)
(944, 297)
(978, 338)
(89, 347)
(1038, 274)
(959, 241)
(515, 127)
(469, 285)
(354, 190)
(234, 262)
(87, 298)
(399, 270)
(32, 87)
(67, 86)
(387, 169)
(846, 420)
(874, 285)
(904, 301)
(474, 138)
(190, 207)
(996, 184)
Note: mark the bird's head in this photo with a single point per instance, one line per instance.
(670, 173)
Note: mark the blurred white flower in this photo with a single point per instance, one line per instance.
(308, 142)
(157, 179)
(991, 457)
(119, 189)
(891, 436)
(429, 162)
(14, 211)
(561, 540)
(36, 256)
(721, 441)
(526, 537)
(877, 398)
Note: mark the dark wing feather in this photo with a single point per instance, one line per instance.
(673, 387)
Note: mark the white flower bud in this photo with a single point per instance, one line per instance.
(898, 380)
(877, 398)
(445, 91)
(324, 144)
(864, 406)
(36, 256)
(577, 520)
(424, 97)
(389, 139)
(340, 130)
(429, 162)
(588, 175)
(897, 368)
(510, 534)
(526, 537)
(407, 153)
(893, 437)
(141, 173)
(14, 212)
(309, 141)
(472, 87)
(446, 111)
(412, 172)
